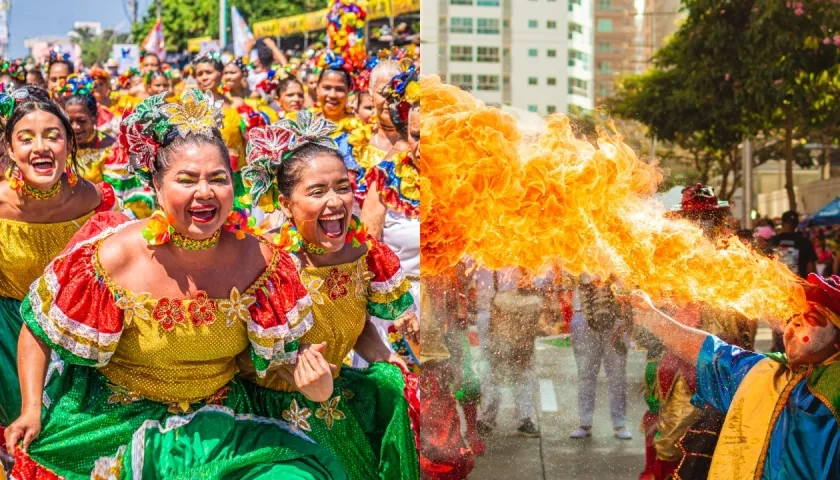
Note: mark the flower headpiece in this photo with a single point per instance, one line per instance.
(240, 63)
(345, 35)
(363, 79)
(57, 56)
(165, 70)
(125, 78)
(98, 73)
(212, 56)
(9, 98)
(154, 124)
(403, 92)
(269, 147)
(77, 85)
(14, 69)
(269, 84)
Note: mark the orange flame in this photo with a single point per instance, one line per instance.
(504, 201)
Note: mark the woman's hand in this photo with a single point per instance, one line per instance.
(409, 327)
(313, 375)
(25, 429)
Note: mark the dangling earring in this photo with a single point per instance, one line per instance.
(240, 223)
(72, 178)
(356, 232)
(159, 230)
(15, 178)
(289, 239)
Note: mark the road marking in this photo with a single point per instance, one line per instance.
(548, 398)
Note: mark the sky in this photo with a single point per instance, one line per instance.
(34, 18)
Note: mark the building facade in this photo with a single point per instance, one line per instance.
(536, 55)
(661, 20)
(616, 44)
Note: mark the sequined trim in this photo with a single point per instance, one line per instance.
(138, 442)
(329, 412)
(298, 417)
(390, 284)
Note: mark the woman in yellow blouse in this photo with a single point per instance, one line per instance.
(149, 316)
(235, 86)
(370, 420)
(82, 110)
(42, 204)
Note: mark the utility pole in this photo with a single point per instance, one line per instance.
(223, 23)
(748, 187)
(159, 6)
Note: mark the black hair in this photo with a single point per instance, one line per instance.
(149, 54)
(87, 101)
(60, 61)
(288, 173)
(147, 79)
(285, 83)
(163, 161)
(348, 81)
(264, 54)
(215, 62)
(36, 71)
(39, 99)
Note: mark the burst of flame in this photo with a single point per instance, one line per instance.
(507, 202)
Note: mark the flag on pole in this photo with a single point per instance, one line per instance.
(154, 42)
(241, 32)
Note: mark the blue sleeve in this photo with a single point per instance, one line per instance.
(346, 151)
(720, 370)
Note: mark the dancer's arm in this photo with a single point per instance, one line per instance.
(33, 358)
(685, 342)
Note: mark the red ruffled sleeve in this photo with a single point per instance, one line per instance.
(109, 198)
(71, 310)
(390, 292)
(281, 314)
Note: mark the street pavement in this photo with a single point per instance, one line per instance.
(555, 455)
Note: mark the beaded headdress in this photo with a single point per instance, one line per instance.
(57, 56)
(125, 78)
(14, 69)
(77, 85)
(154, 124)
(270, 146)
(403, 92)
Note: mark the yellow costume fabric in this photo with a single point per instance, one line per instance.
(262, 106)
(232, 135)
(27, 248)
(91, 162)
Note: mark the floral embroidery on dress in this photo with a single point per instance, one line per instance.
(337, 284)
(236, 307)
(202, 310)
(313, 285)
(361, 277)
(169, 312)
(329, 412)
(298, 417)
(133, 306)
(122, 396)
(218, 397)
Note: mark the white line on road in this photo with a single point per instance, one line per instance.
(548, 398)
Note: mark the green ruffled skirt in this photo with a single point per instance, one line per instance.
(90, 419)
(366, 423)
(10, 325)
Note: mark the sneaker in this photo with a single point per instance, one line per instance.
(581, 432)
(528, 429)
(622, 433)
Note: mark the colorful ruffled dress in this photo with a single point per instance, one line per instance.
(397, 182)
(137, 197)
(25, 250)
(147, 387)
(371, 420)
(365, 154)
(91, 160)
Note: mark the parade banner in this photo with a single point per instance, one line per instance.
(155, 42)
(315, 21)
(399, 7)
(194, 44)
(377, 9)
(127, 56)
(210, 46)
(268, 28)
(241, 32)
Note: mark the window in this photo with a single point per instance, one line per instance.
(551, 24)
(488, 25)
(488, 55)
(605, 5)
(532, 108)
(578, 87)
(604, 46)
(605, 25)
(605, 89)
(605, 67)
(488, 83)
(461, 80)
(488, 3)
(572, 4)
(551, 81)
(578, 58)
(460, 2)
(532, 24)
(552, 53)
(460, 25)
(551, 109)
(532, 80)
(532, 52)
(461, 53)
(575, 28)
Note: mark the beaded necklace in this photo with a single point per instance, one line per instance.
(187, 243)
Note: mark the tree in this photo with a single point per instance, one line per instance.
(185, 19)
(97, 48)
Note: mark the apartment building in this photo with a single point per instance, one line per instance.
(616, 44)
(532, 54)
(661, 18)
